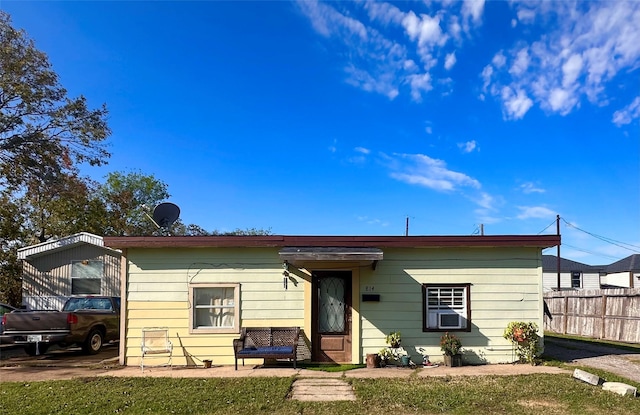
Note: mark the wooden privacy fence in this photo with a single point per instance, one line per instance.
(612, 314)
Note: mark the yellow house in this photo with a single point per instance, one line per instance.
(345, 292)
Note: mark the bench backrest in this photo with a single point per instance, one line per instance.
(270, 336)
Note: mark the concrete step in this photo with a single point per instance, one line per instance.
(322, 390)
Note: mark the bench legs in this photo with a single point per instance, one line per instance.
(294, 362)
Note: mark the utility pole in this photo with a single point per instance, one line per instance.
(558, 258)
(406, 228)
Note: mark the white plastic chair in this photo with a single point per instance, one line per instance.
(155, 341)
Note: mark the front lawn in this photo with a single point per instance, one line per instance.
(551, 394)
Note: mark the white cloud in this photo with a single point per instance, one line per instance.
(486, 201)
(588, 46)
(425, 171)
(571, 69)
(425, 29)
(385, 13)
(327, 20)
(499, 60)
(361, 35)
(628, 113)
(449, 60)
(468, 147)
(562, 100)
(516, 103)
(367, 82)
(472, 9)
(535, 212)
(521, 62)
(531, 188)
(362, 150)
(526, 15)
(419, 83)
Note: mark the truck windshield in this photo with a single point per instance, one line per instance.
(88, 304)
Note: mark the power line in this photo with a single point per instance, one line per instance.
(590, 252)
(551, 224)
(605, 239)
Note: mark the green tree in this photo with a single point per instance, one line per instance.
(11, 235)
(129, 199)
(42, 130)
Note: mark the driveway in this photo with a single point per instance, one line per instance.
(618, 361)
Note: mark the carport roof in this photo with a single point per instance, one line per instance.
(60, 244)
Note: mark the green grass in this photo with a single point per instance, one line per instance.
(331, 367)
(551, 394)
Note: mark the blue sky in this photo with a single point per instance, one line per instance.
(345, 118)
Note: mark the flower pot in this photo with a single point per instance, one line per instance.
(404, 361)
(207, 363)
(373, 361)
(453, 360)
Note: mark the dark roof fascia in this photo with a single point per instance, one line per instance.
(532, 241)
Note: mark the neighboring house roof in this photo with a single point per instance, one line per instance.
(550, 264)
(537, 241)
(630, 263)
(61, 244)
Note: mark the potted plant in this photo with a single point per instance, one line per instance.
(525, 338)
(450, 345)
(384, 354)
(393, 339)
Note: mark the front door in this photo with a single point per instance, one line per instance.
(331, 316)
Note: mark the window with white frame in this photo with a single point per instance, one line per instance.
(446, 307)
(576, 279)
(214, 308)
(86, 277)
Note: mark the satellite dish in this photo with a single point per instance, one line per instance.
(165, 214)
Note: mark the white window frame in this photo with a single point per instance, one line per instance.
(75, 275)
(452, 299)
(193, 307)
(576, 276)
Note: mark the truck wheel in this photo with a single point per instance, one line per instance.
(30, 349)
(93, 343)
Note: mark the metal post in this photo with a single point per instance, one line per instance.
(558, 258)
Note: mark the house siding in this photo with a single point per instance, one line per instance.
(46, 281)
(506, 285)
(590, 280)
(158, 295)
(625, 279)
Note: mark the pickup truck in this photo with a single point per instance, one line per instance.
(85, 321)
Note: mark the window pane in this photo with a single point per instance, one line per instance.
(331, 302)
(85, 286)
(86, 269)
(214, 307)
(215, 317)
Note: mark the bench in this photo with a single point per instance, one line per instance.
(267, 343)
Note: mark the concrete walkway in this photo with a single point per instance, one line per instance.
(314, 389)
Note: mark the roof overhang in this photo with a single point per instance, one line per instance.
(303, 254)
(281, 241)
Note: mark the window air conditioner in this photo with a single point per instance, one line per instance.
(449, 321)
